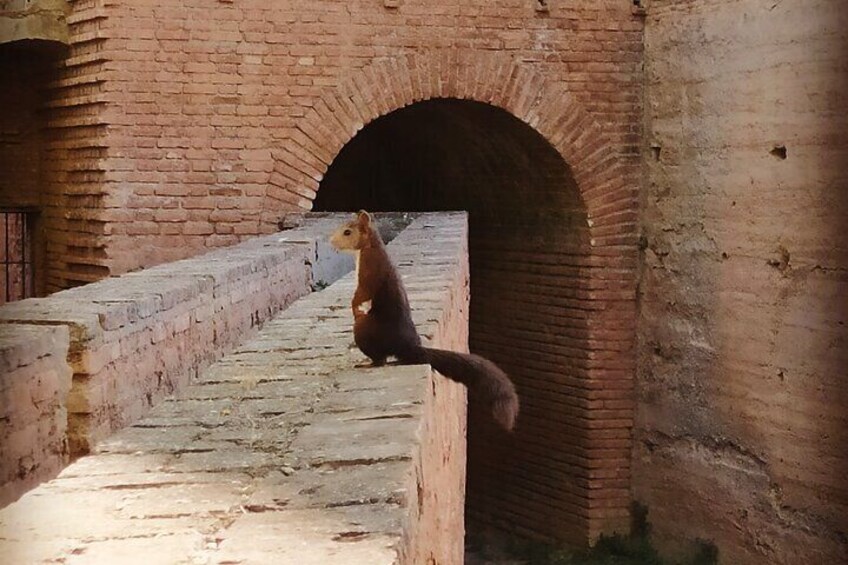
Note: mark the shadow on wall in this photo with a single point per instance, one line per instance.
(26, 67)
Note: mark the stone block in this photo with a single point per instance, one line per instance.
(82, 318)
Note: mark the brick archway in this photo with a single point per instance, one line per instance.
(602, 380)
(393, 83)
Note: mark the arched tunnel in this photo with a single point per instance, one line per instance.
(529, 273)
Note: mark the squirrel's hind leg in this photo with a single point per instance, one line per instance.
(373, 363)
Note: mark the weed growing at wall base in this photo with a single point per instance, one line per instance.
(634, 549)
(610, 550)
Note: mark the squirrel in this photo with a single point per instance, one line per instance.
(383, 325)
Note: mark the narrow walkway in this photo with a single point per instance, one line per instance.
(282, 452)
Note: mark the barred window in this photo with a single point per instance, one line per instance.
(17, 278)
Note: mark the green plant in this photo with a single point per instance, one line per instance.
(633, 549)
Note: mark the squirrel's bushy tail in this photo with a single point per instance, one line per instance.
(485, 380)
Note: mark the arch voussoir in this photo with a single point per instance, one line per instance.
(427, 75)
(553, 99)
(373, 96)
(466, 71)
(337, 112)
(311, 150)
(528, 96)
(346, 93)
(554, 115)
(404, 74)
(320, 120)
(460, 71)
(286, 167)
(453, 66)
(409, 67)
(385, 82)
(506, 70)
(362, 94)
(442, 74)
(481, 69)
(513, 88)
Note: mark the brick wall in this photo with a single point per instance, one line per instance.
(741, 427)
(75, 193)
(35, 379)
(181, 126)
(205, 105)
(542, 307)
(434, 527)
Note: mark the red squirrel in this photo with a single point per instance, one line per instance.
(383, 325)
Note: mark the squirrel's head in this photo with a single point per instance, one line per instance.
(353, 235)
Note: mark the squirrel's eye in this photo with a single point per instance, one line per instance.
(347, 232)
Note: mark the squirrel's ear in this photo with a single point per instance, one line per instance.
(364, 218)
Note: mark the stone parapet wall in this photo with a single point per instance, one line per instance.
(435, 526)
(137, 338)
(134, 339)
(286, 450)
(34, 381)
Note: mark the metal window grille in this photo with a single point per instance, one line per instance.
(18, 269)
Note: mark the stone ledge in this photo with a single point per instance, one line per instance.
(283, 451)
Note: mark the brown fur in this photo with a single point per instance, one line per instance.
(383, 324)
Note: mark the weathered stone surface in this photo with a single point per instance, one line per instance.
(35, 379)
(34, 19)
(288, 458)
(83, 319)
(136, 338)
(309, 537)
(741, 435)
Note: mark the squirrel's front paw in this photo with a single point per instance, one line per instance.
(362, 309)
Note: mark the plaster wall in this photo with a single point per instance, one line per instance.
(741, 434)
